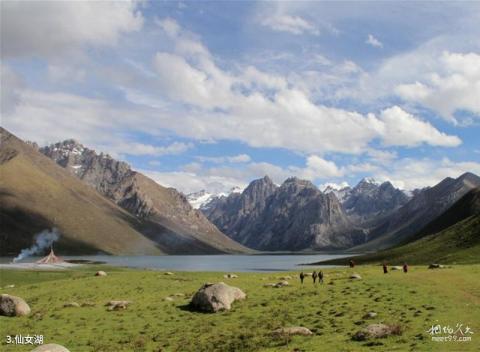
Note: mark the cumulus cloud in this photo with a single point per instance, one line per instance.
(454, 86)
(240, 158)
(409, 173)
(49, 28)
(371, 40)
(400, 128)
(289, 23)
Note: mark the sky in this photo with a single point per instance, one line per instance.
(213, 94)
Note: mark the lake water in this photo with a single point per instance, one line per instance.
(224, 263)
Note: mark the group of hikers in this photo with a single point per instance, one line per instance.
(315, 275)
(351, 263)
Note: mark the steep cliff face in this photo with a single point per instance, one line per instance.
(168, 217)
(294, 216)
(369, 201)
(425, 206)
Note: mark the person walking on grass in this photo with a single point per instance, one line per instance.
(320, 277)
(385, 269)
(351, 263)
(302, 276)
(314, 277)
(405, 268)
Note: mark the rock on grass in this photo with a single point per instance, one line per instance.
(377, 331)
(13, 306)
(216, 297)
(51, 347)
(293, 330)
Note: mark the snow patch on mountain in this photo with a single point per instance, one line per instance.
(201, 198)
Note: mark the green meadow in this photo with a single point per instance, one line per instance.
(333, 311)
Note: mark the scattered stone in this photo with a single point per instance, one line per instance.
(369, 315)
(377, 331)
(168, 273)
(88, 304)
(307, 274)
(169, 299)
(13, 306)
(216, 297)
(10, 286)
(294, 330)
(396, 268)
(51, 347)
(101, 273)
(179, 295)
(436, 266)
(285, 278)
(230, 276)
(355, 276)
(117, 305)
(71, 305)
(269, 285)
(281, 284)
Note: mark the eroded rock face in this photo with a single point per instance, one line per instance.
(294, 216)
(216, 297)
(51, 347)
(13, 306)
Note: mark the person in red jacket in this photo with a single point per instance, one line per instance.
(405, 268)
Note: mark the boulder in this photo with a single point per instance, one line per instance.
(369, 315)
(117, 305)
(396, 268)
(216, 297)
(284, 278)
(281, 284)
(377, 331)
(169, 299)
(51, 347)
(13, 306)
(355, 277)
(269, 285)
(435, 266)
(101, 273)
(168, 273)
(294, 330)
(71, 305)
(230, 276)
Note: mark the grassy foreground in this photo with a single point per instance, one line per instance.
(333, 311)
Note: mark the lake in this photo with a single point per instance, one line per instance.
(224, 263)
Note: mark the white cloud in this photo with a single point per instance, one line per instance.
(400, 128)
(453, 86)
(134, 148)
(49, 28)
(240, 158)
(289, 23)
(411, 173)
(371, 40)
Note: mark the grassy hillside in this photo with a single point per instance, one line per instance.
(333, 311)
(453, 237)
(36, 194)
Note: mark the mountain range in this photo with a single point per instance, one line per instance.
(98, 201)
(298, 216)
(101, 205)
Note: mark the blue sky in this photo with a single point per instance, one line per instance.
(211, 95)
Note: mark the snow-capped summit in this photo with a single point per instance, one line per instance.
(198, 199)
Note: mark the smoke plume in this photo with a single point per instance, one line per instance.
(43, 240)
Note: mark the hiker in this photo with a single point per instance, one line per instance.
(385, 269)
(302, 276)
(352, 263)
(405, 268)
(320, 277)
(314, 277)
